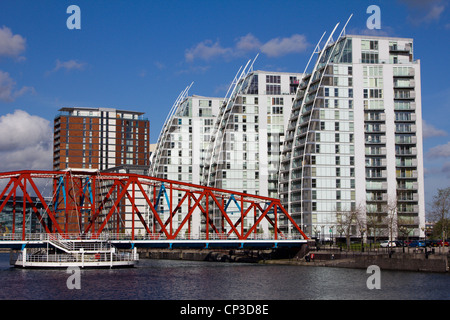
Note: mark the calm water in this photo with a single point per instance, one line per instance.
(180, 280)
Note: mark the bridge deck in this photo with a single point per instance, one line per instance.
(42, 240)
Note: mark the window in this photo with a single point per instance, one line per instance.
(273, 79)
(273, 89)
(277, 101)
(368, 57)
(277, 110)
(369, 44)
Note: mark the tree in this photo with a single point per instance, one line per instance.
(391, 216)
(347, 221)
(374, 223)
(439, 229)
(440, 208)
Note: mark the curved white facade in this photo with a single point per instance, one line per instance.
(354, 142)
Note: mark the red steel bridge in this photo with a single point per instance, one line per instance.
(138, 210)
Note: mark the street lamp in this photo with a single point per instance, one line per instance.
(425, 241)
(331, 238)
(362, 238)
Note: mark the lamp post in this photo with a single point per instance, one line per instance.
(331, 238)
(362, 238)
(425, 241)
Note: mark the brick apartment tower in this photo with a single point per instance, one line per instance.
(99, 138)
(91, 139)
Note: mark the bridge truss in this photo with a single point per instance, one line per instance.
(91, 203)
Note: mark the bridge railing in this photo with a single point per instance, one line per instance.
(130, 237)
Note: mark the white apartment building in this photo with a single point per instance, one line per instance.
(182, 147)
(244, 153)
(354, 142)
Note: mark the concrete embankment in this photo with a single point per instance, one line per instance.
(234, 255)
(398, 261)
(324, 258)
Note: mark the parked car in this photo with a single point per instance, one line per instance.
(386, 243)
(431, 243)
(439, 243)
(399, 243)
(417, 243)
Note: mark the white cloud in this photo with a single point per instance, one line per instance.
(8, 92)
(207, 50)
(440, 151)
(11, 45)
(425, 11)
(248, 43)
(26, 142)
(430, 131)
(282, 46)
(68, 65)
(434, 13)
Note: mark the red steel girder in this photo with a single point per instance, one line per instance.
(121, 187)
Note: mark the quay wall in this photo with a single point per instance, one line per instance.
(397, 261)
(386, 261)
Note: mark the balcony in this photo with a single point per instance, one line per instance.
(376, 174)
(407, 185)
(404, 105)
(406, 174)
(401, 139)
(404, 95)
(375, 140)
(404, 83)
(404, 72)
(375, 151)
(373, 128)
(374, 116)
(405, 117)
(376, 197)
(406, 49)
(374, 162)
(408, 196)
(376, 185)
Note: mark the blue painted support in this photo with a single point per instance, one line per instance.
(162, 190)
(235, 201)
(86, 185)
(58, 189)
(90, 192)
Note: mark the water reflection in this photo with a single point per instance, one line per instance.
(181, 280)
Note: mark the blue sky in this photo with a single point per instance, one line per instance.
(139, 55)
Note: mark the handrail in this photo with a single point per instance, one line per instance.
(105, 257)
(103, 240)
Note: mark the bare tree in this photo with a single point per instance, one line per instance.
(361, 222)
(391, 216)
(440, 208)
(347, 221)
(405, 228)
(374, 221)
